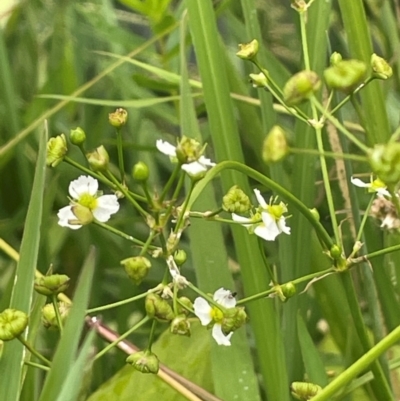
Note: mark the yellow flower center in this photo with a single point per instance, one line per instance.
(217, 315)
(88, 201)
(275, 211)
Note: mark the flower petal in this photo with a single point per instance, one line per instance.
(84, 184)
(358, 183)
(65, 215)
(202, 310)
(260, 199)
(166, 148)
(282, 226)
(220, 337)
(271, 229)
(194, 168)
(224, 298)
(106, 206)
(383, 192)
(206, 162)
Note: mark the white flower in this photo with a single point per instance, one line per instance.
(177, 278)
(273, 222)
(207, 314)
(373, 186)
(83, 191)
(193, 168)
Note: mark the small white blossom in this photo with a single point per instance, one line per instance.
(83, 191)
(207, 314)
(373, 186)
(177, 278)
(273, 222)
(192, 168)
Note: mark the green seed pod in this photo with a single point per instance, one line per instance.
(187, 302)
(144, 361)
(49, 318)
(12, 324)
(180, 257)
(236, 201)
(56, 150)
(118, 118)
(51, 285)
(83, 215)
(98, 159)
(275, 146)
(385, 162)
(380, 67)
(248, 51)
(345, 75)
(158, 308)
(234, 318)
(180, 325)
(288, 290)
(335, 58)
(300, 87)
(259, 80)
(136, 268)
(304, 391)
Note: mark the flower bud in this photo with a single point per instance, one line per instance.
(180, 325)
(180, 257)
(98, 159)
(315, 213)
(51, 285)
(158, 308)
(275, 146)
(335, 252)
(49, 318)
(259, 80)
(236, 201)
(299, 5)
(83, 215)
(144, 361)
(248, 51)
(136, 268)
(380, 67)
(118, 118)
(385, 162)
(288, 290)
(188, 303)
(304, 391)
(140, 172)
(345, 75)
(12, 324)
(335, 58)
(77, 136)
(300, 87)
(56, 150)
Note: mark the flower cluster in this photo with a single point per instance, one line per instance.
(86, 204)
(268, 221)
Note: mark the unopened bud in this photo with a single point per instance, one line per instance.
(144, 361)
(12, 324)
(56, 150)
(300, 87)
(288, 290)
(180, 325)
(185, 302)
(335, 58)
(158, 308)
(345, 75)
(236, 201)
(248, 51)
(118, 118)
(51, 285)
(140, 172)
(98, 159)
(380, 67)
(49, 317)
(180, 257)
(315, 213)
(275, 146)
(77, 136)
(136, 268)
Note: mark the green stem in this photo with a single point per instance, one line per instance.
(119, 303)
(37, 365)
(148, 242)
(152, 334)
(267, 182)
(57, 312)
(327, 115)
(171, 180)
(359, 366)
(120, 149)
(207, 297)
(184, 208)
(33, 351)
(364, 219)
(122, 337)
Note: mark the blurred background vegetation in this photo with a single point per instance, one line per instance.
(70, 50)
